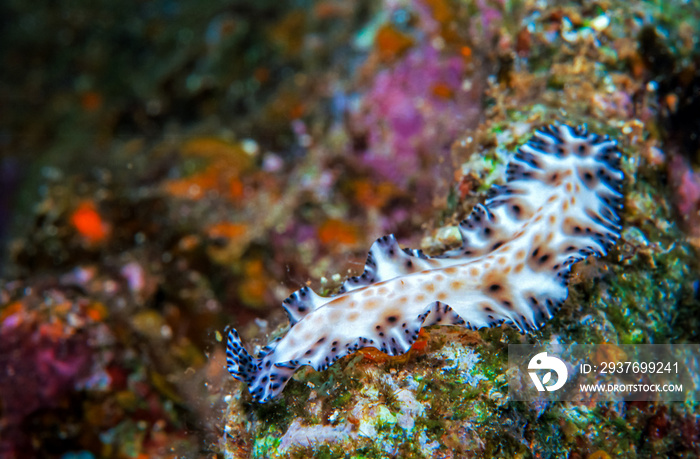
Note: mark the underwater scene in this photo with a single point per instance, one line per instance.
(349, 229)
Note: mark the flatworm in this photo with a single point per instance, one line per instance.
(558, 206)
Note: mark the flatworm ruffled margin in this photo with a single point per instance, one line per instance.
(559, 206)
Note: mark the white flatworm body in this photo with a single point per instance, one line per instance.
(559, 206)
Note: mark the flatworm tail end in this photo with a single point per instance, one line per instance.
(239, 362)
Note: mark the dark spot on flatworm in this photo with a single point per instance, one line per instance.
(391, 319)
(321, 340)
(494, 287)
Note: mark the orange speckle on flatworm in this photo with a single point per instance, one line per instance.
(334, 315)
(339, 302)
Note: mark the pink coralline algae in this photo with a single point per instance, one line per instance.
(52, 344)
(413, 112)
(686, 184)
(38, 364)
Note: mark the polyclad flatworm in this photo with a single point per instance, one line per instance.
(559, 205)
